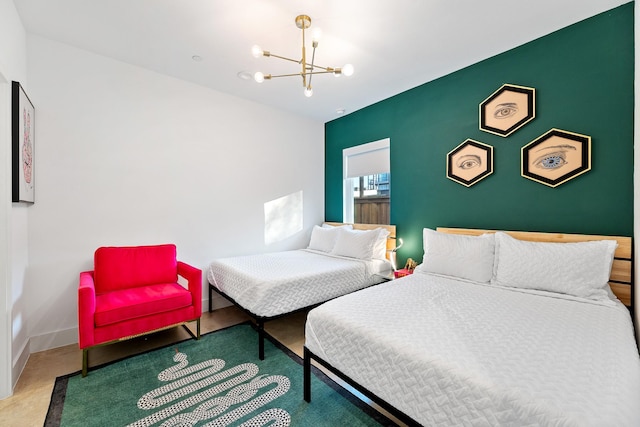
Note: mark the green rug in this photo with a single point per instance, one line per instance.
(217, 381)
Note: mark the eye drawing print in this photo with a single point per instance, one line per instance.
(507, 109)
(556, 157)
(470, 162)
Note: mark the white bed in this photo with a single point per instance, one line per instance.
(441, 350)
(340, 259)
(277, 283)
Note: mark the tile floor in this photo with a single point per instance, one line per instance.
(29, 404)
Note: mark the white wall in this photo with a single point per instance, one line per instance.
(125, 156)
(636, 167)
(13, 339)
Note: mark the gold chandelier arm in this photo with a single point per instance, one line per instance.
(309, 70)
(300, 74)
(297, 61)
(284, 75)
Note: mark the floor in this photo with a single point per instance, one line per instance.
(29, 404)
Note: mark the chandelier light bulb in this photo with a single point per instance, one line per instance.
(347, 70)
(258, 77)
(308, 92)
(256, 51)
(316, 35)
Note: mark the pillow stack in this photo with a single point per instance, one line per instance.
(465, 257)
(577, 269)
(344, 241)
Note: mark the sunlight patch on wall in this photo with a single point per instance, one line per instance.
(17, 325)
(282, 217)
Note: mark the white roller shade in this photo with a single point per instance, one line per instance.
(367, 159)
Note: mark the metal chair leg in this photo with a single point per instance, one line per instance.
(85, 361)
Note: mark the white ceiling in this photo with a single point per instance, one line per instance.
(394, 45)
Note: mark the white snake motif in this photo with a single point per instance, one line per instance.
(187, 380)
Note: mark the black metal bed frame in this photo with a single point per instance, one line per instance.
(260, 320)
(308, 356)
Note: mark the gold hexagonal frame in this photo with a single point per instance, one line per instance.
(508, 109)
(470, 162)
(556, 157)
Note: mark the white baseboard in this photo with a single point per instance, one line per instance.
(53, 340)
(19, 363)
(70, 336)
(218, 302)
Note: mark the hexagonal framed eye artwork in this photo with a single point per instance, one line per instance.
(470, 162)
(556, 157)
(508, 109)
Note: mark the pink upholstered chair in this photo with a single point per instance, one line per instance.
(135, 290)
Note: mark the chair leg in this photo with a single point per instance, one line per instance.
(261, 339)
(198, 328)
(85, 361)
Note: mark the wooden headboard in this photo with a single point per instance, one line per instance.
(391, 240)
(621, 278)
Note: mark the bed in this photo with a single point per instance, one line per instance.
(340, 258)
(518, 333)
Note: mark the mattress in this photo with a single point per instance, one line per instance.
(448, 352)
(281, 282)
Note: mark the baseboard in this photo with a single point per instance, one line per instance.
(19, 363)
(70, 336)
(218, 302)
(53, 340)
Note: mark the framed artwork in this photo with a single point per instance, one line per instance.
(556, 157)
(22, 145)
(470, 162)
(508, 109)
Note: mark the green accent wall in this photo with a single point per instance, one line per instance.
(584, 80)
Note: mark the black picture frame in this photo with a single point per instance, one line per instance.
(470, 162)
(22, 145)
(508, 109)
(556, 157)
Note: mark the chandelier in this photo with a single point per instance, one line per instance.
(308, 70)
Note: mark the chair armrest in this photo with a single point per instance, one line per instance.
(86, 309)
(194, 281)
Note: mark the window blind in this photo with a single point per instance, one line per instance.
(367, 159)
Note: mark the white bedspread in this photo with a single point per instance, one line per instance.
(448, 352)
(275, 283)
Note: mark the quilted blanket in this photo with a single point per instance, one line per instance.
(448, 352)
(280, 282)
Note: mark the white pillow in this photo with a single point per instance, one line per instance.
(578, 269)
(347, 226)
(356, 243)
(464, 257)
(323, 239)
(380, 247)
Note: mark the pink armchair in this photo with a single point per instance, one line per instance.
(133, 291)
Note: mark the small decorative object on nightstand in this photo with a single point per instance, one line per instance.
(408, 269)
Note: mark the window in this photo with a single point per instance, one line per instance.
(366, 174)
